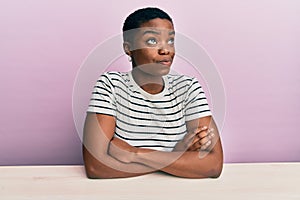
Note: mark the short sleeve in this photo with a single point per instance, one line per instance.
(103, 98)
(195, 104)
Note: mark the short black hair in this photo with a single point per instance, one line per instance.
(140, 16)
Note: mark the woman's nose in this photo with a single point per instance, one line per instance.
(163, 51)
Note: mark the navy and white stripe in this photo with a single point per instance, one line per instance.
(146, 120)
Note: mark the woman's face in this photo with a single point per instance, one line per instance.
(153, 47)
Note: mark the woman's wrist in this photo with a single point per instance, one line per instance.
(134, 157)
(136, 154)
(140, 154)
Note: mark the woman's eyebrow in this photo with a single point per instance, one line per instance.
(157, 32)
(172, 33)
(151, 32)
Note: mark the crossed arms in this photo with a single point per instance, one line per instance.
(198, 155)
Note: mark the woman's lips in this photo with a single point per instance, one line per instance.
(165, 62)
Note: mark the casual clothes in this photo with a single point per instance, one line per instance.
(155, 121)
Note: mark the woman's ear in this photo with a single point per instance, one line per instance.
(127, 48)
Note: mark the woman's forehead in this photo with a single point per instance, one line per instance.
(155, 26)
(156, 31)
(157, 23)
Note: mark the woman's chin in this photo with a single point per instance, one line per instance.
(166, 73)
(163, 72)
(160, 70)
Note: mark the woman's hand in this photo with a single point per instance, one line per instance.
(198, 140)
(121, 150)
(203, 140)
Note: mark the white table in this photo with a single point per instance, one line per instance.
(238, 181)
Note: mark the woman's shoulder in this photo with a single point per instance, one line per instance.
(175, 79)
(114, 76)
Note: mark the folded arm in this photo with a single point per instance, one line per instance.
(98, 133)
(108, 157)
(190, 164)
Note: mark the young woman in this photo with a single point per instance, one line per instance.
(147, 120)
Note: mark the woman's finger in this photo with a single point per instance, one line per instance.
(200, 132)
(205, 133)
(203, 143)
(191, 135)
(204, 140)
(206, 145)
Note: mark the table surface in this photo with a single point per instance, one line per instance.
(238, 181)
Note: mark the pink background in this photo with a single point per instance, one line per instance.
(254, 44)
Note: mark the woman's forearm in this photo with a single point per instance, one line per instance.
(106, 166)
(98, 131)
(190, 164)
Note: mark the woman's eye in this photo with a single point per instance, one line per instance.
(171, 41)
(152, 41)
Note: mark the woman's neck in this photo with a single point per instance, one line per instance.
(149, 83)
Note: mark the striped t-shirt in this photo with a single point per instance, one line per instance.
(155, 121)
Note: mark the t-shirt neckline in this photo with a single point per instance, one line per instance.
(146, 94)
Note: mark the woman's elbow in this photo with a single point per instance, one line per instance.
(216, 170)
(94, 169)
(93, 172)
(217, 164)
